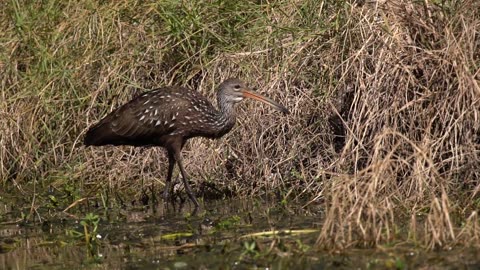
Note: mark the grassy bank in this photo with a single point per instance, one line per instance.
(384, 130)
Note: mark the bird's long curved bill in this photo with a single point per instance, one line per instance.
(266, 100)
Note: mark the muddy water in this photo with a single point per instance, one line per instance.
(222, 235)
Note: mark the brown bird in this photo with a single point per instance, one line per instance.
(168, 117)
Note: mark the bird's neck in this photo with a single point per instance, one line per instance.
(226, 116)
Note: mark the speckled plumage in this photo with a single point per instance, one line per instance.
(168, 117)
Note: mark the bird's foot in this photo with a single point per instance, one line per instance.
(166, 196)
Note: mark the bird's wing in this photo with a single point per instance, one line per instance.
(152, 113)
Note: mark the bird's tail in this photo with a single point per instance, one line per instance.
(98, 134)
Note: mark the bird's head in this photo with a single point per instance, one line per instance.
(234, 90)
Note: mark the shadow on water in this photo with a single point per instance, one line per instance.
(225, 234)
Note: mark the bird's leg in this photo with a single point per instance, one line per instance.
(185, 179)
(168, 183)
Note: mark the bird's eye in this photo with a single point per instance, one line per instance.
(237, 86)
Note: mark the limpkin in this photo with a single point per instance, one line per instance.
(168, 117)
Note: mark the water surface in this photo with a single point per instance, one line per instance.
(225, 234)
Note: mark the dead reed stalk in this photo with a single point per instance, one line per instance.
(412, 129)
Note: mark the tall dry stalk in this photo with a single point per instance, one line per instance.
(412, 129)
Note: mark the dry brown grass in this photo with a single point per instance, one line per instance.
(384, 128)
(412, 127)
